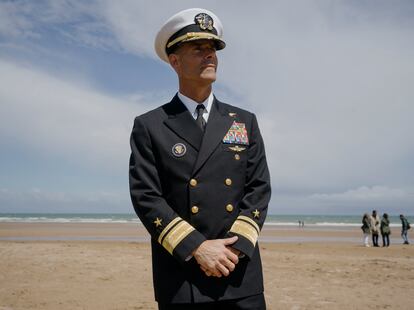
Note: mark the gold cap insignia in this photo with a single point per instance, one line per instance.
(204, 21)
(231, 114)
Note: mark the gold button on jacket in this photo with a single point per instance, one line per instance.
(228, 182)
(194, 209)
(229, 207)
(193, 182)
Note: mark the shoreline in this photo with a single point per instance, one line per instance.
(135, 232)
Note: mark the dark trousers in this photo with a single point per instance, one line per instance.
(404, 235)
(385, 240)
(255, 302)
(375, 239)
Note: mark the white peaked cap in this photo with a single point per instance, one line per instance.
(188, 25)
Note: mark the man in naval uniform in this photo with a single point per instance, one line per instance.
(199, 180)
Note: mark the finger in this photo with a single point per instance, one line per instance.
(214, 271)
(206, 271)
(232, 257)
(229, 241)
(229, 265)
(211, 271)
(223, 270)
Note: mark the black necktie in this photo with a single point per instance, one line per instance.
(200, 119)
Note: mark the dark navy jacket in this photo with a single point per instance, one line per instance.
(187, 187)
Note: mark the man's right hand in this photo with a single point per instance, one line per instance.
(215, 258)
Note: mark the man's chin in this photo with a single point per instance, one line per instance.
(208, 77)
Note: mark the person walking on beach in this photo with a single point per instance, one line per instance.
(404, 228)
(199, 179)
(375, 227)
(366, 228)
(385, 230)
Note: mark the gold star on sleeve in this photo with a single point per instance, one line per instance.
(256, 213)
(157, 222)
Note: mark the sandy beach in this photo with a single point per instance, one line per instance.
(108, 266)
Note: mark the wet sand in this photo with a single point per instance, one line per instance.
(57, 266)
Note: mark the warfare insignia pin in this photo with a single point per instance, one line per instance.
(179, 149)
(204, 21)
(237, 148)
(237, 134)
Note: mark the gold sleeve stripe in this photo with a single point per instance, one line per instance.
(176, 235)
(168, 227)
(246, 230)
(250, 221)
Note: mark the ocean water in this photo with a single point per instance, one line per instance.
(272, 219)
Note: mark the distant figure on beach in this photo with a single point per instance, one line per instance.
(366, 228)
(199, 179)
(385, 230)
(375, 227)
(303, 224)
(404, 228)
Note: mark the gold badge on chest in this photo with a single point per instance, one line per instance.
(237, 148)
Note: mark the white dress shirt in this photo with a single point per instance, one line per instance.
(191, 105)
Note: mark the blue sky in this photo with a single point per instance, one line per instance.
(331, 83)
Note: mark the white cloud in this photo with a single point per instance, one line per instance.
(56, 116)
(365, 193)
(394, 200)
(37, 200)
(14, 22)
(75, 21)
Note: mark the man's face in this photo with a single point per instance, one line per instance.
(195, 61)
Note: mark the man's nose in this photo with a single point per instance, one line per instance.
(209, 53)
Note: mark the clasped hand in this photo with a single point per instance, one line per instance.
(217, 257)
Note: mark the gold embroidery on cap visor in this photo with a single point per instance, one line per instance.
(174, 233)
(190, 36)
(247, 228)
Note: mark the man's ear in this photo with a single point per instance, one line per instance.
(173, 58)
